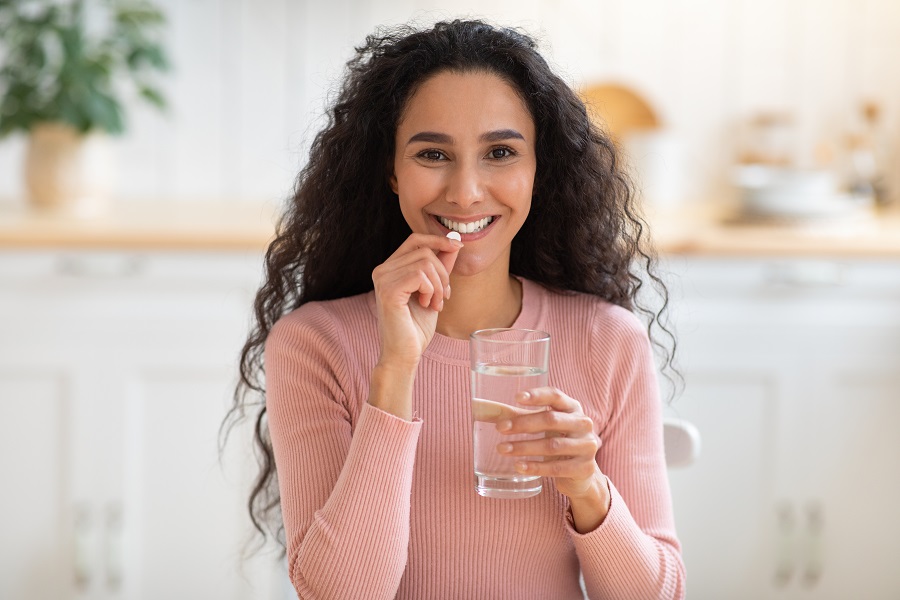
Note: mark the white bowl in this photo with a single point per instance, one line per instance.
(783, 192)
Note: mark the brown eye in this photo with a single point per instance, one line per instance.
(431, 155)
(501, 153)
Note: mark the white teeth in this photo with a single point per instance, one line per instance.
(472, 227)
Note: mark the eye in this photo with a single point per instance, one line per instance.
(431, 155)
(501, 152)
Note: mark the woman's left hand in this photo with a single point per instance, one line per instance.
(568, 449)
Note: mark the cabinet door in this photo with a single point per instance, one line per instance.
(825, 337)
(33, 465)
(846, 465)
(861, 446)
(179, 509)
(727, 518)
(725, 532)
(184, 521)
(126, 477)
(49, 460)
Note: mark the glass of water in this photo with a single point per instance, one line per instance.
(504, 362)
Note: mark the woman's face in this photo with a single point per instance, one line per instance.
(465, 161)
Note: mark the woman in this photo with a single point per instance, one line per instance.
(364, 320)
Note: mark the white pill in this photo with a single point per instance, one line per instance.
(453, 235)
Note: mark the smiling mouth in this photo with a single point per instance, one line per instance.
(473, 227)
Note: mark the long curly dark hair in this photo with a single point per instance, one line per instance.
(583, 232)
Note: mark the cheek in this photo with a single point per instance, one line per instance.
(517, 189)
(415, 192)
(418, 186)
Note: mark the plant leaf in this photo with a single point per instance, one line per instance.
(105, 112)
(153, 96)
(52, 68)
(140, 14)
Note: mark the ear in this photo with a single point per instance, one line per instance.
(392, 180)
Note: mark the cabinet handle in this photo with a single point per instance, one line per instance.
(813, 544)
(82, 548)
(785, 544)
(113, 547)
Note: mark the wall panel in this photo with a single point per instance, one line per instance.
(252, 79)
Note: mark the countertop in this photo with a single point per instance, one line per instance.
(704, 230)
(164, 225)
(242, 225)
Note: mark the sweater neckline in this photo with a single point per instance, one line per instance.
(455, 351)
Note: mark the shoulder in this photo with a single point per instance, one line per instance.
(588, 324)
(594, 315)
(321, 323)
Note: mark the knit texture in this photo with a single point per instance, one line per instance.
(378, 507)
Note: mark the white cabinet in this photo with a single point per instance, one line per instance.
(116, 370)
(792, 370)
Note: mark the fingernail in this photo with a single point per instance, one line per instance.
(457, 243)
(447, 292)
(523, 396)
(441, 305)
(521, 467)
(504, 425)
(504, 448)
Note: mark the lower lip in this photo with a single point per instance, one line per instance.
(469, 237)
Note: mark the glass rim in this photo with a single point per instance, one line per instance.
(478, 335)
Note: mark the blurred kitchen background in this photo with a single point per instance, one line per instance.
(764, 136)
(250, 80)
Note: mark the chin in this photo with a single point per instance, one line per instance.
(466, 267)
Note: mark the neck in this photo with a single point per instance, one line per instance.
(480, 302)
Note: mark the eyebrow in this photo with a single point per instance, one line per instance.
(442, 138)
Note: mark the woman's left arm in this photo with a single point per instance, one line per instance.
(626, 550)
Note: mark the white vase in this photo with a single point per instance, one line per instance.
(67, 172)
(657, 159)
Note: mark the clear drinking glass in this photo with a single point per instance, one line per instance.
(504, 362)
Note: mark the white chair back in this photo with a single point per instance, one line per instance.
(682, 442)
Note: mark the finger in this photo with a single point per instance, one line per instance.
(437, 298)
(422, 258)
(396, 288)
(435, 243)
(426, 290)
(553, 447)
(448, 258)
(549, 422)
(446, 250)
(419, 263)
(427, 267)
(549, 396)
(400, 287)
(572, 468)
(493, 412)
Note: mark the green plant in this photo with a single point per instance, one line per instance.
(64, 61)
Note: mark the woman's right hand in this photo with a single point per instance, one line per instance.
(410, 288)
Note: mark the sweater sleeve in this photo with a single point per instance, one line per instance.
(345, 488)
(634, 554)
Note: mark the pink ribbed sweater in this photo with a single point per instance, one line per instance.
(378, 507)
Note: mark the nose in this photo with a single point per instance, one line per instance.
(465, 187)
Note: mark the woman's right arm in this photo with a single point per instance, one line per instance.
(345, 498)
(410, 288)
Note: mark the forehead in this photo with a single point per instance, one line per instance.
(469, 101)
